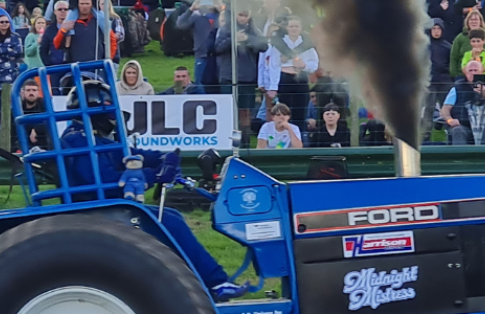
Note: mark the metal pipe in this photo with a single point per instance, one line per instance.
(234, 63)
(407, 159)
(107, 30)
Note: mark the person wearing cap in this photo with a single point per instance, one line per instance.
(333, 133)
(157, 168)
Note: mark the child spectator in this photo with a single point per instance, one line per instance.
(441, 81)
(279, 133)
(289, 73)
(20, 16)
(477, 40)
(131, 82)
(36, 12)
(32, 44)
(334, 133)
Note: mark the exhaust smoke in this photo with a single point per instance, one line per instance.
(381, 47)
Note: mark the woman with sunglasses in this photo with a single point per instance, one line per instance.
(10, 51)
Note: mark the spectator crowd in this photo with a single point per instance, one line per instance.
(286, 99)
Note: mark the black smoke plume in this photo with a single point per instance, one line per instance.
(382, 46)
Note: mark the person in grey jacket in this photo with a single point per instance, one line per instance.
(250, 43)
(201, 19)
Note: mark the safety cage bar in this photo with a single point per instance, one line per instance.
(51, 117)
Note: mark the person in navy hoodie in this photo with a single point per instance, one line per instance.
(48, 52)
(441, 81)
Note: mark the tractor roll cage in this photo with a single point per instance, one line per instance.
(50, 119)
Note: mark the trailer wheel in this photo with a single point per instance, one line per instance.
(82, 264)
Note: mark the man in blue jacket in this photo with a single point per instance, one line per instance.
(48, 52)
(158, 168)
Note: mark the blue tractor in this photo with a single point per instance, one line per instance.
(393, 245)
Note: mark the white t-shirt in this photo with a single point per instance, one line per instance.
(278, 140)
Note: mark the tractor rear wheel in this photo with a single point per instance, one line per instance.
(81, 264)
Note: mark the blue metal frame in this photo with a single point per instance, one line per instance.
(51, 117)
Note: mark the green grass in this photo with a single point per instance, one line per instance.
(157, 67)
(227, 252)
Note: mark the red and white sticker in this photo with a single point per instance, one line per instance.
(378, 244)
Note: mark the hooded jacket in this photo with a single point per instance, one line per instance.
(440, 56)
(140, 88)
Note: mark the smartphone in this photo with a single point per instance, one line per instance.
(179, 88)
(207, 2)
(478, 80)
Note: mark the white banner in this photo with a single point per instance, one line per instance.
(189, 122)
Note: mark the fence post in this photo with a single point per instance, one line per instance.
(6, 125)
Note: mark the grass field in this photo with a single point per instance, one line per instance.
(227, 252)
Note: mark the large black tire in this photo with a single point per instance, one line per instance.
(80, 250)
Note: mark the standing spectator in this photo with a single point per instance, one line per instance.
(461, 44)
(10, 51)
(32, 47)
(279, 133)
(183, 84)
(453, 23)
(264, 82)
(250, 44)
(117, 28)
(48, 52)
(87, 43)
(201, 19)
(441, 81)
(269, 14)
(440, 61)
(289, 75)
(32, 44)
(131, 82)
(464, 7)
(20, 16)
(210, 76)
(333, 133)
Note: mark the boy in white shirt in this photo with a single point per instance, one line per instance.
(279, 133)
